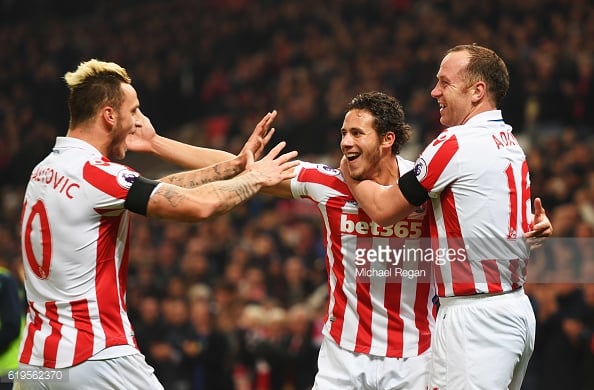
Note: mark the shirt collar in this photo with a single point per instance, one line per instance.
(71, 142)
(487, 116)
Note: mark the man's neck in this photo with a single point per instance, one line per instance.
(388, 171)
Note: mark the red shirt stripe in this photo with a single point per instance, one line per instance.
(356, 320)
(395, 322)
(50, 347)
(32, 328)
(108, 296)
(83, 348)
(492, 275)
(442, 158)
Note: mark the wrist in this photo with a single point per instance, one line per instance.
(255, 178)
(238, 163)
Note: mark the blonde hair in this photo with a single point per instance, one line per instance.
(93, 85)
(93, 68)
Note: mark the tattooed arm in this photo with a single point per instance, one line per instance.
(198, 177)
(207, 165)
(204, 201)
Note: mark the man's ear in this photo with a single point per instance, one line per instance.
(479, 91)
(109, 115)
(388, 139)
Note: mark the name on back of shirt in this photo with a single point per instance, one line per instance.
(504, 139)
(56, 181)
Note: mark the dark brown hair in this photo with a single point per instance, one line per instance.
(388, 114)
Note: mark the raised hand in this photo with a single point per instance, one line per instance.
(272, 168)
(258, 139)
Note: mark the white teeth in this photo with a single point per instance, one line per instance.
(352, 156)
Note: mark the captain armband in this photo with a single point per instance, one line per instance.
(412, 190)
(139, 194)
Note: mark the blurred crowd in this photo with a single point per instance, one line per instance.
(238, 302)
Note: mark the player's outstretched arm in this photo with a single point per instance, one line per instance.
(146, 140)
(252, 149)
(384, 205)
(192, 205)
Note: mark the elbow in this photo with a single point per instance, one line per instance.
(204, 211)
(184, 211)
(385, 216)
(383, 219)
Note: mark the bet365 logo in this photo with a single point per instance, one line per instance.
(402, 229)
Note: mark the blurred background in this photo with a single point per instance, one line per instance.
(238, 302)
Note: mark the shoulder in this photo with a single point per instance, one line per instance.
(109, 177)
(317, 172)
(404, 165)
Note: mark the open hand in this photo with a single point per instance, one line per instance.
(272, 168)
(258, 139)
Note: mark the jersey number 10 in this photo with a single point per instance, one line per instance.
(41, 269)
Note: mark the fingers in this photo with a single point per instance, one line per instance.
(538, 209)
(276, 150)
(288, 169)
(541, 224)
(273, 155)
(288, 164)
(260, 136)
(271, 118)
(265, 131)
(343, 165)
(267, 137)
(287, 156)
(262, 126)
(539, 230)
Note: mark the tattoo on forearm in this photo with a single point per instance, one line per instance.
(216, 170)
(242, 189)
(193, 179)
(171, 195)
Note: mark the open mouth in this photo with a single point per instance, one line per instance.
(352, 156)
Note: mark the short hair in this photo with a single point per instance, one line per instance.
(485, 65)
(388, 115)
(93, 85)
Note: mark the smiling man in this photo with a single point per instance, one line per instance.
(379, 320)
(380, 309)
(75, 230)
(476, 177)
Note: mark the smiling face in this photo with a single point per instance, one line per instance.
(360, 144)
(455, 97)
(126, 119)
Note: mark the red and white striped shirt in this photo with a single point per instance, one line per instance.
(75, 255)
(477, 177)
(376, 306)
